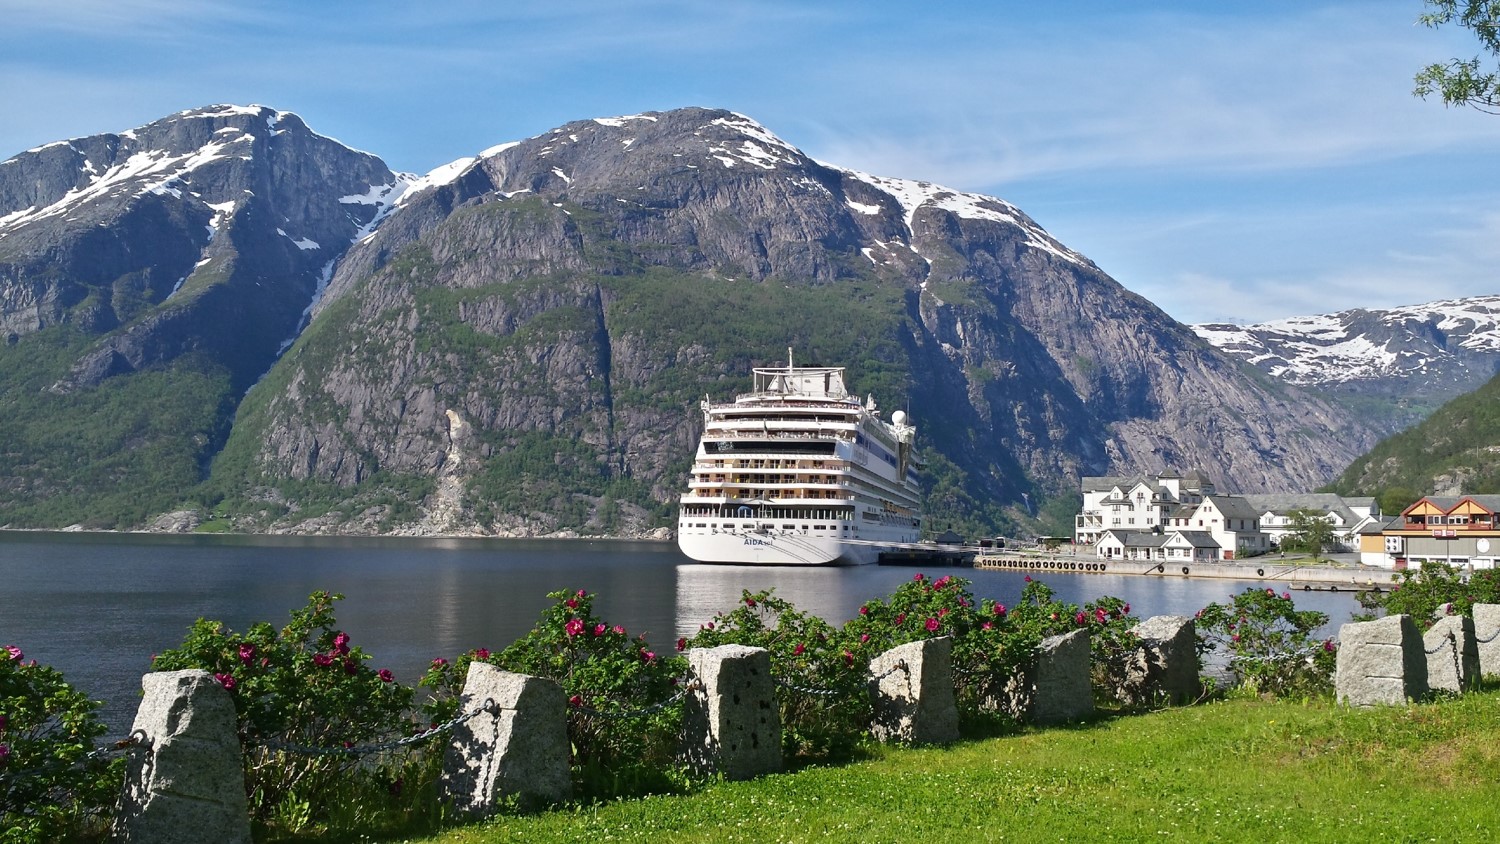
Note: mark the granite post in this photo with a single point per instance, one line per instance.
(185, 780)
(1452, 655)
(1487, 637)
(731, 724)
(517, 748)
(1164, 665)
(1380, 662)
(911, 688)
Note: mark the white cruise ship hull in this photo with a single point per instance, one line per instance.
(779, 549)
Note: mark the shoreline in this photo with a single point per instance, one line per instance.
(1306, 575)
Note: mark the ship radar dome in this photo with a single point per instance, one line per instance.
(899, 417)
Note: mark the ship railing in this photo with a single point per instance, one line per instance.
(777, 435)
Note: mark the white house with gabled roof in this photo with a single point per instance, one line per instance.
(1134, 502)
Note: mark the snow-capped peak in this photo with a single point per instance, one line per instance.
(910, 195)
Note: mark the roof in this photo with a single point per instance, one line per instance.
(1198, 538)
(1234, 507)
(1381, 526)
(1325, 502)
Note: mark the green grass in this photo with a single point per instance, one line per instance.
(1236, 770)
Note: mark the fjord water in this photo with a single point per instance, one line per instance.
(97, 606)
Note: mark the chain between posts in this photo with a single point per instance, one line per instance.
(687, 686)
(489, 706)
(1493, 637)
(810, 690)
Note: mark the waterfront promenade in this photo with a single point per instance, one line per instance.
(1283, 573)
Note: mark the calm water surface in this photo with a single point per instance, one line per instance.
(97, 607)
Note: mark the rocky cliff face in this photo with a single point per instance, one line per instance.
(538, 322)
(206, 231)
(517, 342)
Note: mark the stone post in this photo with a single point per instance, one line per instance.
(517, 749)
(731, 724)
(1062, 690)
(911, 687)
(1487, 626)
(1164, 664)
(1452, 655)
(1380, 662)
(185, 781)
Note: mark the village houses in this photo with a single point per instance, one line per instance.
(1182, 518)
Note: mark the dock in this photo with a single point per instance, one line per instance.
(1305, 577)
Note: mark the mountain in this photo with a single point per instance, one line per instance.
(1452, 452)
(147, 279)
(516, 343)
(1397, 364)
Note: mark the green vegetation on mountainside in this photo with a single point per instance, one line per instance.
(109, 456)
(1458, 442)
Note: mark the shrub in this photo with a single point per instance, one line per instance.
(1433, 590)
(50, 787)
(624, 739)
(1270, 643)
(303, 687)
(821, 695)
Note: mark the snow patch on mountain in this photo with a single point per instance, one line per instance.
(1362, 345)
(911, 196)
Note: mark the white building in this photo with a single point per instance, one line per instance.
(1134, 503)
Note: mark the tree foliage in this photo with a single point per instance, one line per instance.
(1310, 531)
(1462, 82)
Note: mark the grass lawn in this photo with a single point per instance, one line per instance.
(1235, 770)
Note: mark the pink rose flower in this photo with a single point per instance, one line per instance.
(15, 653)
(482, 653)
(323, 660)
(932, 624)
(681, 644)
(1000, 610)
(986, 626)
(574, 626)
(385, 675)
(341, 643)
(575, 701)
(1270, 591)
(571, 603)
(600, 628)
(797, 651)
(1127, 609)
(1080, 619)
(1329, 646)
(247, 653)
(864, 610)
(439, 662)
(1028, 578)
(1286, 596)
(848, 659)
(225, 680)
(648, 655)
(864, 637)
(918, 577)
(620, 630)
(350, 666)
(750, 602)
(580, 593)
(901, 619)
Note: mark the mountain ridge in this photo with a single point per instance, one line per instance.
(604, 273)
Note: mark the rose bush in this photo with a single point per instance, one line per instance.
(624, 741)
(1271, 645)
(50, 788)
(304, 686)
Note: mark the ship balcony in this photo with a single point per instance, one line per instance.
(772, 465)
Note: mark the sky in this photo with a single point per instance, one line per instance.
(1230, 161)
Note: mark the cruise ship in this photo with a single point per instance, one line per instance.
(798, 472)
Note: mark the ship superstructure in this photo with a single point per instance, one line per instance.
(800, 472)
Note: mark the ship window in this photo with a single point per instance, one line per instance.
(788, 527)
(804, 527)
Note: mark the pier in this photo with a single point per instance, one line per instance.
(1293, 576)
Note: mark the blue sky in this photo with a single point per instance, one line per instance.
(1229, 161)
